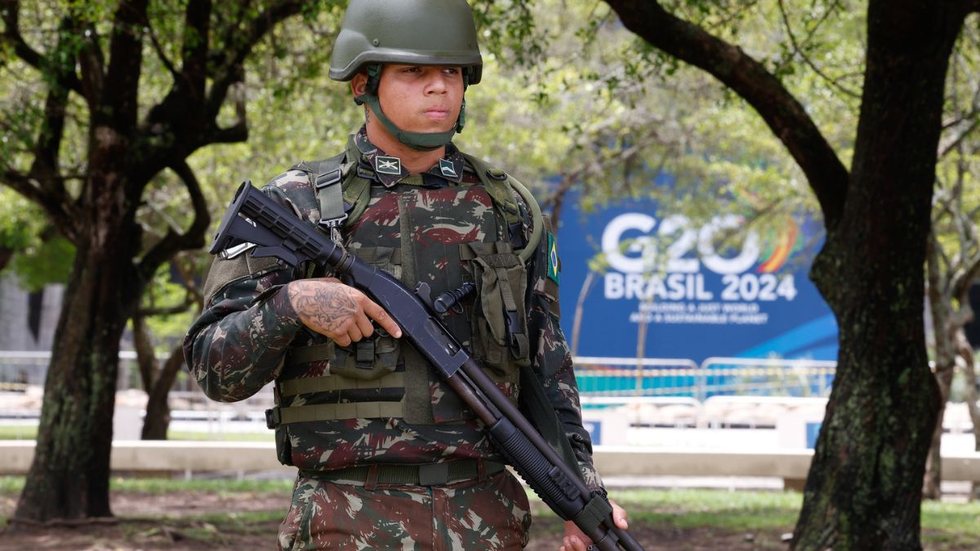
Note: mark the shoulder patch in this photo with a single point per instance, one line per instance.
(554, 269)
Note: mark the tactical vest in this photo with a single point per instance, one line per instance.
(459, 245)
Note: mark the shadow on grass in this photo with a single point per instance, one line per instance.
(239, 515)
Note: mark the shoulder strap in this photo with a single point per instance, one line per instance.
(492, 179)
(325, 176)
(342, 194)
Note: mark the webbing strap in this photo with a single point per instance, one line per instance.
(429, 474)
(330, 383)
(595, 512)
(518, 341)
(330, 412)
(307, 354)
(326, 177)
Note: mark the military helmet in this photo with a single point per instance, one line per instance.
(415, 32)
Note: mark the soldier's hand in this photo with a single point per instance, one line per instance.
(576, 540)
(339, 311)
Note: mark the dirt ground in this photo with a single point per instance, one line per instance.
(179, 521)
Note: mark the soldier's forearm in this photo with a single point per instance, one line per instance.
(233, 354)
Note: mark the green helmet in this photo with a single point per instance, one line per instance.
(422, 32)
(414, 32)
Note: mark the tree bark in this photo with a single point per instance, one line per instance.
(157, 407)
(157, 381)
(945, 361)
(864, 486)
(5, 255)
(69, 475)
(970, 373)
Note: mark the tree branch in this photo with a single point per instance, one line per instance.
(90, 60)
(161, 54)
(197, 35)
(173, 241)
(239, 131)
(784, 115)
(125, 64)
(10, 13)
(143, 343)
(806, 59)
(60, 212)
(188, 274)
(237, 45)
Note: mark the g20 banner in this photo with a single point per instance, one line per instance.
(664, 279)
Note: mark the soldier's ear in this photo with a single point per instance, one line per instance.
(358, 84)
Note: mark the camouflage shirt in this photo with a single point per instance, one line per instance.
(243, 339)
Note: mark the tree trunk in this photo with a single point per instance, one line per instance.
(864, 486)
(944, 337)
(932, 479)
(157, 407)
(69, 475)
(970, 374)
(5, 255)
(157, 381)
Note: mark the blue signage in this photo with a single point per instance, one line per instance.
(629, 272)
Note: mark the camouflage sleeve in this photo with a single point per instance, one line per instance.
(552, 359)
(237, 345)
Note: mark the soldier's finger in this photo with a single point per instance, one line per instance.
(354, 332)
(620, 516)
(364, 324)
(342, 340)
(378, 314)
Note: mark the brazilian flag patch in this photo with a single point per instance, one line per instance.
(553, 267)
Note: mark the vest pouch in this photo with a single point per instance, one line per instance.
(284, 448)
(376, 356)
(367, 359)
(500, 332)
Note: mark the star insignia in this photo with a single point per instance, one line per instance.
(388, 165)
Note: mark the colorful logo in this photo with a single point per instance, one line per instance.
(779, 247)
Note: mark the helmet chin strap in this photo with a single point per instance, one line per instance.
(421, 141)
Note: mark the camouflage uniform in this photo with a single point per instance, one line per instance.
(390, 412)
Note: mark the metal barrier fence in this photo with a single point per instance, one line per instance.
(651, 393)
(655, 387)
(597, 377)
(651, 377)
(20, 369)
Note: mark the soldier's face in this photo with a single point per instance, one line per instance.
(421, 98)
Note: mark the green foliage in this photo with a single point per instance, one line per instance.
(47, 262)
(19, 221)
(39, 257)
(170, 297)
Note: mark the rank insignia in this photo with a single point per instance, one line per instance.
(447, 168)
(388, 165)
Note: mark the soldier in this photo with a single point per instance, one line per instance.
(387, 455)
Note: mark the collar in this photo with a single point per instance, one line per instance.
(388, 169)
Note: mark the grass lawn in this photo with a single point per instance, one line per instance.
(29, 432)
(660, 519)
